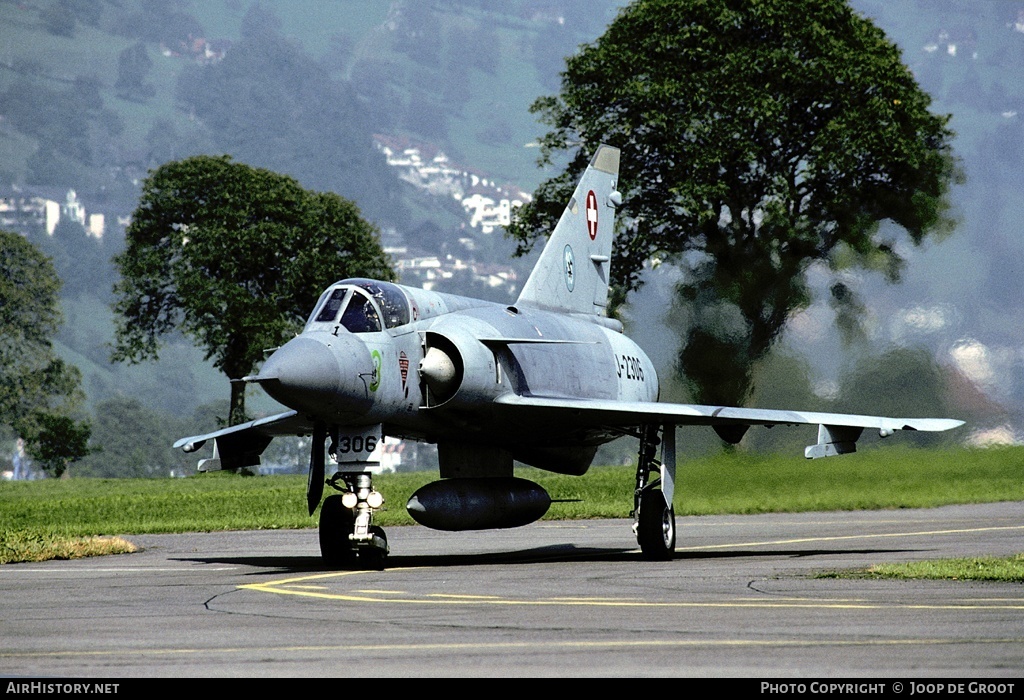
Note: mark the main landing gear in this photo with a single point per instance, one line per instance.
(654, 521)
(346, 530)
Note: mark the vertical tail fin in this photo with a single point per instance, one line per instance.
(573, 270)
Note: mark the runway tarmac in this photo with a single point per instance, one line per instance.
(553, 599)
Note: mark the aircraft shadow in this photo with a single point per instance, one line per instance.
(566, 553)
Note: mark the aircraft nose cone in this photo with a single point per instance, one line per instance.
(303, 365)
(314, 376)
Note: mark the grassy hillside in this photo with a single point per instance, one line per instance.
(408, 61)
(488, 127)
(71, 78)
(177, 383)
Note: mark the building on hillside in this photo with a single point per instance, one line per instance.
(21, 208)
(487, 204)
(488, 214)
(74, 210)
(24, 207)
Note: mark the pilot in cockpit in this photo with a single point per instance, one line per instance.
(360, 316)
(364, 306)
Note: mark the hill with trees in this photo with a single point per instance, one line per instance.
(95, 95)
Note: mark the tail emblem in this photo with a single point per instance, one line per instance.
(592, 214)
(570, 264)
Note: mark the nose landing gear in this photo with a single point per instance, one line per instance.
(347, 534)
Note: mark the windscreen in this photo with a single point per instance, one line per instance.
(390, 298)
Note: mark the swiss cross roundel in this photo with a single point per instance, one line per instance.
(592, 214)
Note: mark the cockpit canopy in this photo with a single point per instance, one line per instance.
(362, 306)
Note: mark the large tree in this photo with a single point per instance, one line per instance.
(759, 137)
(233, 257)
(39, 392)
(133, 439)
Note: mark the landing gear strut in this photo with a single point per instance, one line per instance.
(654, 521)
(346, 529)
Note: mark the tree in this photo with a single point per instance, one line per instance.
(904, 382)
(234, 257)
(759, 137)
(131, 441)
(78, 258)
(38, 391)
(133, 67)
(58, 21)
(165, 22)
(260, 23)
(57, 441)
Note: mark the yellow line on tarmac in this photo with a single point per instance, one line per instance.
(836, 538)
(300, 586)
(532, 646)
(295, 586)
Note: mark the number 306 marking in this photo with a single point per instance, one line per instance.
(356, 443)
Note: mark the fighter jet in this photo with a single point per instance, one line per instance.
(544, 382)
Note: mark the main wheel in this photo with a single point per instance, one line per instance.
(656, 531)
(336, 524)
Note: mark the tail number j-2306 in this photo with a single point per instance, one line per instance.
(630, 367)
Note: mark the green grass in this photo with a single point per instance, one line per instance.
(21, 546)
(1004, 569)
(896, 477)
(886, 477)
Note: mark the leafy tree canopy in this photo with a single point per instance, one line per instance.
(132, 442)
(758, 137)
(38, 391)
(234, 257)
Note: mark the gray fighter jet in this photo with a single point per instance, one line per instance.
(544, 382)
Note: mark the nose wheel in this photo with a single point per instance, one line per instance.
(347, 535)
(336, 524)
